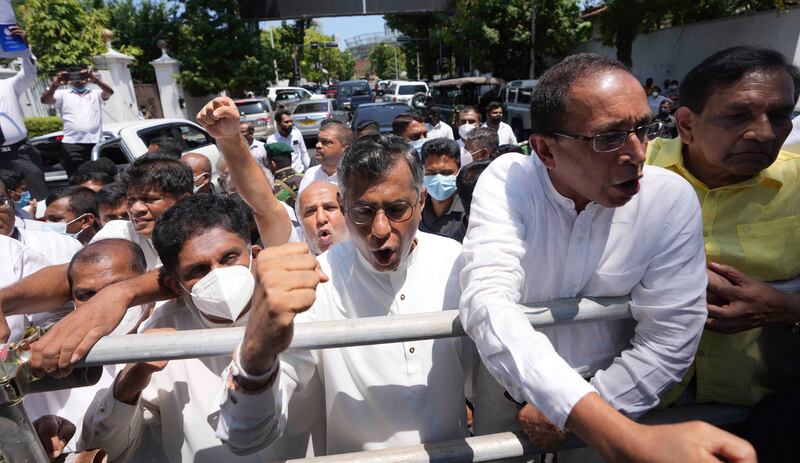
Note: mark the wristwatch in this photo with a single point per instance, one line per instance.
(235, 371)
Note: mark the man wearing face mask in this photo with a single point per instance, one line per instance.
(80, 108)
(494, 121)
(411, 128)
(669, 128)
(17, 189)
(443, 211)
(94, 267)
(480, 143)
(655, 98)
(208, 259)
(468, 120)
(201, 172)
(72, 211)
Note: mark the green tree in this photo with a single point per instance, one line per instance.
(62, 32)
(218, 50)
(137, 26)
(387, 61)
(340, 65)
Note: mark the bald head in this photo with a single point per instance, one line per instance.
(320, 213)
(201, 171)
(248, 132)
(103, 263)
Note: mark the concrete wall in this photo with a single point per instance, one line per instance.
(671, 53)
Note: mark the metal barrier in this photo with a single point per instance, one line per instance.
(365, 331)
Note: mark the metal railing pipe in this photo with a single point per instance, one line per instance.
(340, 333)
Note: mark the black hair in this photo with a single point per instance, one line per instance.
(11, 179)
(98, 176)
(726, 67)
(155, 171)
(466, 180)
(441, 147)
(470, 109)
(503, 149)
(343, 134)
(483, 137)
(81, 199)
(100, 251)
(280, 113)
(402, 121)
(433, 110)
(103, 164)
(371, 158)
(549, 98)
(492, 106)
(648, 81)
(192, 216)
(168, 146)
(111, 194)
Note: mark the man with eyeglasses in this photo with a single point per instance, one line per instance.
(377, 396)
(583, 218)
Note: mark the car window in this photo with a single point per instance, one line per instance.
(150, 134)
(51, 153)
(283, 95)
(194, 137)
(113, 151)
(412, 89)
(524, 95)
(251, 107)
(512, 95)
(392, 89)
(361, 89)
(383, 115)
(312, 108)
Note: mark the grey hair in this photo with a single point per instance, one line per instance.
(483, 137)
(371, 158)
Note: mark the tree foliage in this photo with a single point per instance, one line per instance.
(62, 32)
(625, 19)
(491, 35)
(382, 61)
(339, 65)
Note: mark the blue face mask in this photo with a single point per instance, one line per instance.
(440, 187)
(80, 89)
(417, 145)
(61, 227)
(24, 200)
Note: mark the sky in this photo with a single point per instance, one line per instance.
(346, 26)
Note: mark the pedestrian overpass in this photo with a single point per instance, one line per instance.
(294, 9)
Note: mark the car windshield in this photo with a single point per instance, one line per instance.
(412, 89)
(251, 107)
(383, 115)
(312, 108)
(360, 89)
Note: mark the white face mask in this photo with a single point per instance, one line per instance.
(465, 129)
(61, 227)
(224, 292)
(196, 188)
(130, 321)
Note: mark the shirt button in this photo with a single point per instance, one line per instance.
(402, 297)
(411, 350)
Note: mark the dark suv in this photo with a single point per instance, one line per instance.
(351, 93)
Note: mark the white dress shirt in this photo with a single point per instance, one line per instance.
(505, 133)
(300, 159)
(440, 130)
(377, 396)
(466, 157)
(526, 243)
(12, 119)
(80, 114)
(316, 174)
(124, 229)
(178, 411)
(258, 151)
(19, 261)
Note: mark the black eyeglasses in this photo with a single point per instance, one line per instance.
(398, 211)
(611, 141)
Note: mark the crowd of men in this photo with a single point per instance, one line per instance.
(690, 228)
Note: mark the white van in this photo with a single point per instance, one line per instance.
(516, 96)
(414, 94)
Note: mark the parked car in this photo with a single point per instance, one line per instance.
(288, 97)
(257, 111)
(330, 92)
(352, 93)
(452, 95)
(308, 116)
(516, 97)
(122, 142)
(382, 113)
(414, 94)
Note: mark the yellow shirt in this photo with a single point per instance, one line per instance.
(754, 226)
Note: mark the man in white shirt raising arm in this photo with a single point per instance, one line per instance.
(583, 218)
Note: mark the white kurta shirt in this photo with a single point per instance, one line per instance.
(316, 174)
(80, 114)
(178, 411)
(440, 130)
(378, 396)
(526, 243)
(124, 229)
(18, 261)
(300, 159)
(505, 133)
(12, 119)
